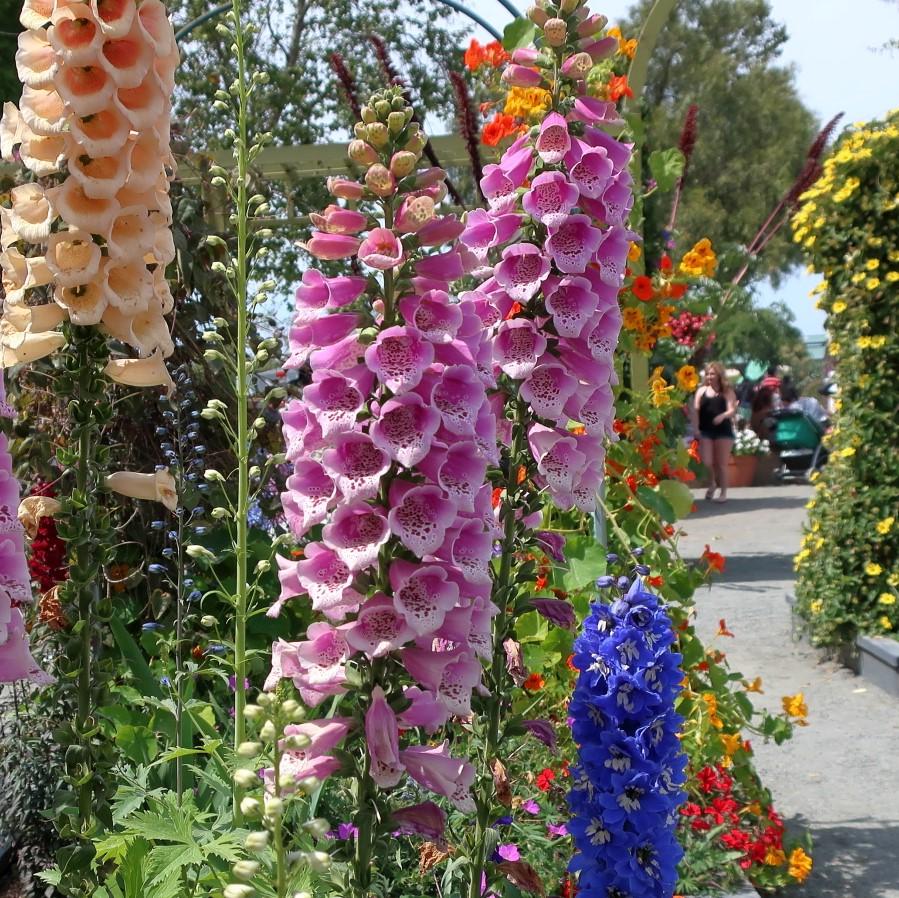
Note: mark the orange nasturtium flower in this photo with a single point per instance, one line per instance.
(795, 706)
(534, 683)
(722, 629)
(498, 128)
(618, 88)
(800, 865)
(714, 560)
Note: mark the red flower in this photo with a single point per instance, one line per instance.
(691, 809)
(534, 683)
(495, 55)
(642, 288)
(656, 582)
(514, 310)
(496, 497)
(722, 629)
(570, 663)
(714, 560)
(736, 840)
(676, 291)
(618, 88)
(544, 779)
(707, 779)
(498, 128)
(474, 56)
(665, 263)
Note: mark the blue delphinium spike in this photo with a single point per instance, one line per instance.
(626, 786)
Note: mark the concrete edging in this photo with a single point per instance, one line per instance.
(873, 658)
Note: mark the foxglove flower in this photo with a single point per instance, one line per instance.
(555, 279)
(390, 445)
(16, 662)
(93, 114)
(626, 786)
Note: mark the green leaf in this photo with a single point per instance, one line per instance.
(586, 562)
(135, 658)
(666, 167)
(678, 495)
(137, 743)
(518, 33)
(656, 502)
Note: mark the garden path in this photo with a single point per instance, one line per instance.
(839, 777)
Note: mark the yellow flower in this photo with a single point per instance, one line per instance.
(885, 622)
(873, 569)
(687, 377)
(839, 306)
(816, 606)
(834, 348)
(892, 277)
(731, 742)
(634, 252)
(700, 261)
(871, 264)
(527, 102)
(886, 598)
(633, 319)
(795, 706)
(848, 452)
(800, 865)
(893, 580)
(872, 283)
(886, 525)
(754, 685)
(660, 389)
(775, 857)
(712, 707)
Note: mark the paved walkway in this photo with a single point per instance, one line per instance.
(839, 777)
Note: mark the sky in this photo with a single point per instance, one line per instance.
(834, 46)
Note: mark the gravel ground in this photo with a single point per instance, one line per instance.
(839, 777)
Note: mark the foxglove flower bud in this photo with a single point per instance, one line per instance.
(577, 66)
(403, 163)
(522, 76)
(538, 16)
(380, 181)
(362, 153)
(343, 188)
(555, 32)
(396, 121)
(377, 134)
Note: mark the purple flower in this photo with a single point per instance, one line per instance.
(557, 829)
(508, 852)
(531, 807)
(573, 243)
(542, 730)
(522, 270)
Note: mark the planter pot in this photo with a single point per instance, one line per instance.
(741, 470)
(764, 469)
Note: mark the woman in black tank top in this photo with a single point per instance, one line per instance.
(715, 405)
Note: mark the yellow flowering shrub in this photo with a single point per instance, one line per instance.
(848, 566)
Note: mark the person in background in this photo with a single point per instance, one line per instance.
(715, 405)
(808, 405)
(771, 379)
(762, 405)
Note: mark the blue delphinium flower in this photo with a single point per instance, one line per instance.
(626, 786)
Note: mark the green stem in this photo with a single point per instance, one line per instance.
(241, 154)
(503, 594)
(280, 853)
(87, 592)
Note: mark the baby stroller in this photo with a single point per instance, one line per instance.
(796, 438)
